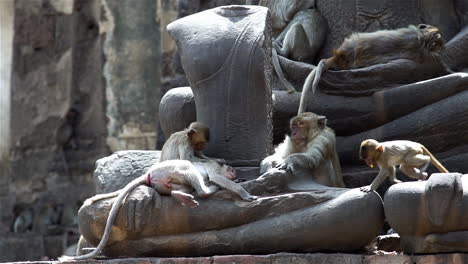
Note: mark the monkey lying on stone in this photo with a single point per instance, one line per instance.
(412, 157)
(421, 44)
(177, 178)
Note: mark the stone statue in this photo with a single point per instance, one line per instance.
(225, 53)
(400, 99)
(434, 217)
(293, 214)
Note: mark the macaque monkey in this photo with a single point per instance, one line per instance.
(177, 178)
(188, 144)
(412, 157)
(303, 31)
(422, 43)
(312, 145)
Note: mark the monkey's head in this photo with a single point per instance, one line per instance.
(339, 61)
(199, 135)
(370, 151)
(229, 172)
(306, 126)
(431, 38)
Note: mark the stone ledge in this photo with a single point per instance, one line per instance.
(285, 258)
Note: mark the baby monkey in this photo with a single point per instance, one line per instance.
(412, 157)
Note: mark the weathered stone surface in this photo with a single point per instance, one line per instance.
(132, 72)
(52, 120)
(177, 110)
(434, 218)
(115, 171)
(286, 258)
(229, 68)
(30, 246)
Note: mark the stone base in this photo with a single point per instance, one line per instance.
(287, 258)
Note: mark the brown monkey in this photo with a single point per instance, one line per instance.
(420, 44)
(312, 145)
(412, 157)
(188, 144)
(176, 178)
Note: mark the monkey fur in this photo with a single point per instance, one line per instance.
(171, 177)
(303, 32)
(412, 157)
(312, 145)
(420, 44)
(188, 144)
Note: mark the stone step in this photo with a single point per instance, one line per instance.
(285, 258)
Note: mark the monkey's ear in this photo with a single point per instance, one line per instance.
(190, 133)
(380, 148)
(322, 122)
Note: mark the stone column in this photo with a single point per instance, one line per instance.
(6, 48)
(132, 72)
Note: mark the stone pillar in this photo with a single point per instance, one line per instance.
(132, 72)
(52, 123)
(7, 17)
(225, 53)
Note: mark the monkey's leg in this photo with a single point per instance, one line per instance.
(415, 166)
(185, 198)
(392, 177)
(293, 37)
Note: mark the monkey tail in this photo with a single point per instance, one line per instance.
(279, 71)
(312, 79)
(434, 161)
(110, 220)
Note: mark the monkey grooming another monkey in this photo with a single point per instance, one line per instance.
(312, 145)
(420, 44)
(412, 157)
(176, 178)
(188, 144)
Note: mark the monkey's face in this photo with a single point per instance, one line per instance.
(299, 130)
(367, 150)
(229, 172)
(431, 37)
(305, 127)
(198, 140)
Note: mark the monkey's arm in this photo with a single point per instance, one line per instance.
(317, 151)
(231, 186)
(202, 156)
(281, 151)
(383, 173)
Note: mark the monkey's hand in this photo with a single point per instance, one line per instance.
(220, 162)
(269, 163)
(139, 203)
(291, 163)
(366, 189)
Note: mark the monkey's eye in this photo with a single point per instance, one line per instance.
(300, 124)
